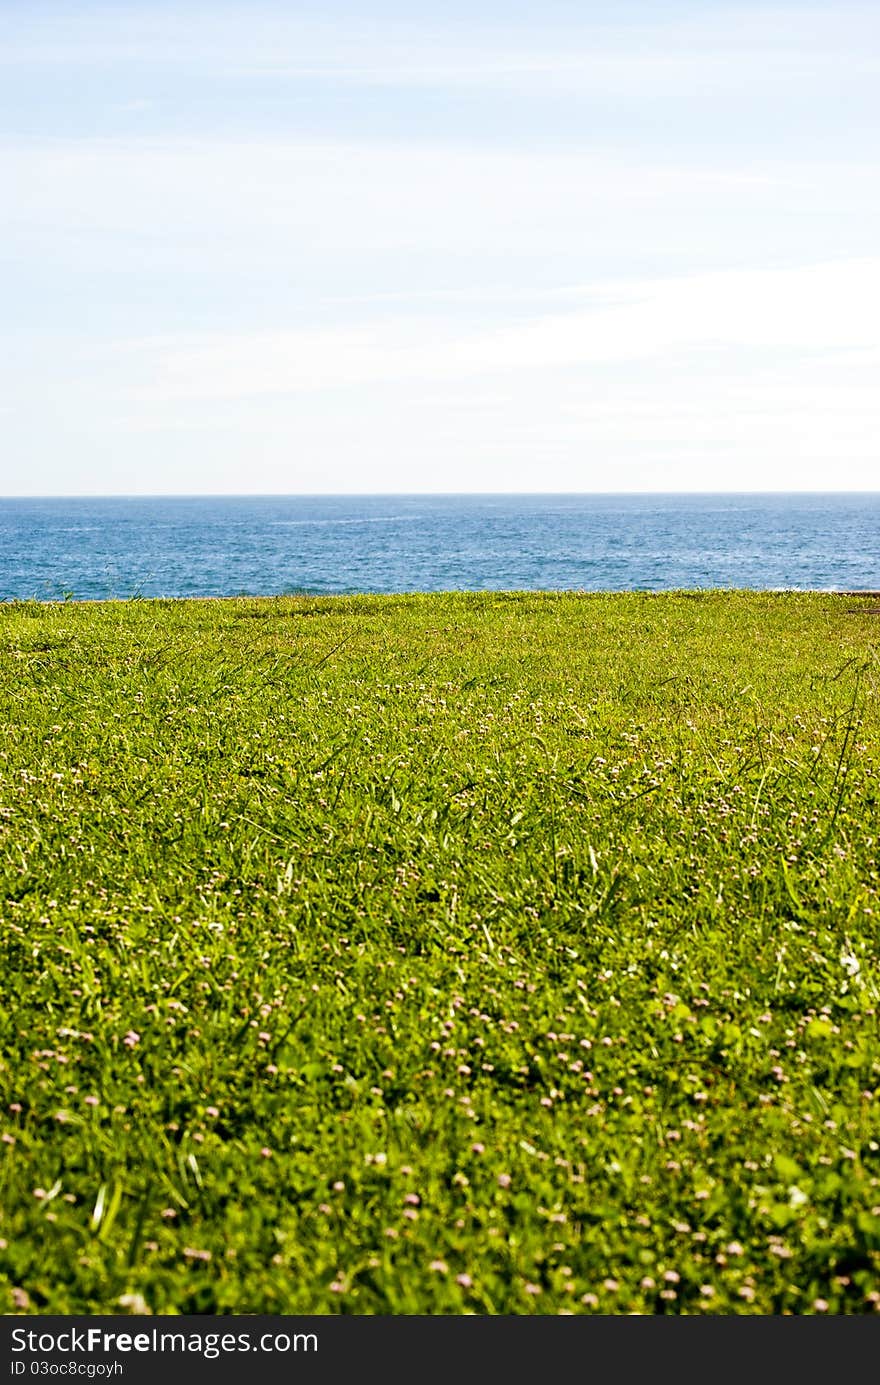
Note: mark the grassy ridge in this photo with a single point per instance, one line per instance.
(494, 953)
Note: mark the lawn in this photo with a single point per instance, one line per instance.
(474, 953)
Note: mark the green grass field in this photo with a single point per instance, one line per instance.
(441, 954)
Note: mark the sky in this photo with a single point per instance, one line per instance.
(359, 246)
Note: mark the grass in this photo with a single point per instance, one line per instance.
(497, 953)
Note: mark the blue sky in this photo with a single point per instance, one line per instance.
(379, 247)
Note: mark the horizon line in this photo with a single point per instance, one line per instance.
(409, 495)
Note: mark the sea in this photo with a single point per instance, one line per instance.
(129, 547)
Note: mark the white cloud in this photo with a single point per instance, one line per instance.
(322, 222)
(744, 380)
(348, 192)
(818, 308)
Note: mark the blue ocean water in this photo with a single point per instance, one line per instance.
(270, 545)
